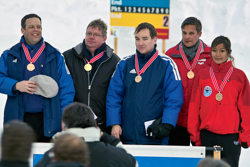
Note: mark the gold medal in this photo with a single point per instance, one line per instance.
(30, 67)
(219, 96)
(88, 67)
(190, 74)
(138, 79)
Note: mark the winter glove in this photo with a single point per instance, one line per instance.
(151, 127)
(162, 131)
(159, 130)
(244, 144)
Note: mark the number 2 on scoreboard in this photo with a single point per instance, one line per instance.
(165, 21)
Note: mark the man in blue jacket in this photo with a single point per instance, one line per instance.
(27, 100)
(145, 88)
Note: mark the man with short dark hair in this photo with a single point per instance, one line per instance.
(104, 150)
(27, 72)
(16, 144)
(145, 87)
(191, 55)
(70, 150)
(92, 64)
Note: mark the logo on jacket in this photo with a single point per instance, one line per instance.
(201, 61)
(236, 143)
(132, 71)
(207, 91)
(15, 60)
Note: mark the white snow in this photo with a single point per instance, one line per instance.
(64, 24)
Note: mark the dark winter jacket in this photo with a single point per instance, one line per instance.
(13, 164)
(65, 164)
(91, 93)
(106, 151)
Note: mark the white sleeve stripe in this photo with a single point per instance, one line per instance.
(125, 58)
(175, 68)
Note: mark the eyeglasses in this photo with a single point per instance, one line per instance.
(89, 34)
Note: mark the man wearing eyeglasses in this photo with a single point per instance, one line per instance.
(91, 64)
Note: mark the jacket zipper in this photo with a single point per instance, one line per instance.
(90, 83)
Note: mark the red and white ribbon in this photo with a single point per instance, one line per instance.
(215, 83)
(95, 58)
(150, 61)
(38, 53)
(184, 57)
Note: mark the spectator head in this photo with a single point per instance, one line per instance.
(78, 115)
(17, 141)
(69, 147)
(209, 162)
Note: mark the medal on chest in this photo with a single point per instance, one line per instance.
(31, 66)
(219, 95)
(190, 74)
(138, 78)
(88, 66)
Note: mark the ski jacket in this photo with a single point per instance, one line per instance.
(187, 84)
(11, 72)
(91, 93)
(228, 116)
(131, 104)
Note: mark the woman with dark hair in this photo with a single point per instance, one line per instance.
(219, 111)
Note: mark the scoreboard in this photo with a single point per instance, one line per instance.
(130, 13)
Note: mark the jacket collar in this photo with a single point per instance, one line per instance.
(15, 51)
(79, 50)
(89, 134)
(203, 49)
(221, 67)
(145, 57)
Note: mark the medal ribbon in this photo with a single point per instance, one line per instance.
(215, 83)
(95, 58)
(38, 53)
(151, 60)
(184, 57)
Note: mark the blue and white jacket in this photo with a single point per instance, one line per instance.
(11, 72)
(131, 104)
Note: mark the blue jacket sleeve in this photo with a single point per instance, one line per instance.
(115, 96)
(6, 83)
(66, 85)
(173, 93)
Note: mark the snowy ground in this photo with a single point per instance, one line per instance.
(64, 24)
